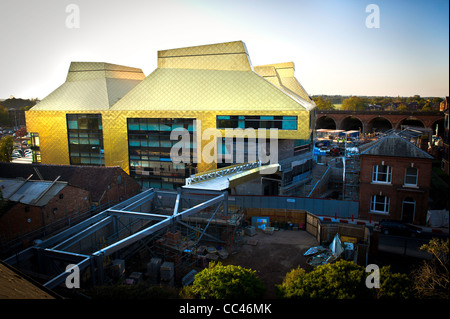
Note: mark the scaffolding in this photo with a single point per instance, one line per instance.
(351, 172)
(171, 226)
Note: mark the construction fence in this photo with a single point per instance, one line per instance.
(316, 206)
(323, 231)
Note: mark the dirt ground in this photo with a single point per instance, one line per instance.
(272, 255)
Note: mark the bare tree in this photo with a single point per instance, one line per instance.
(432, 278)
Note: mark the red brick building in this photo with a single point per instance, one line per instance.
(41, 199)
(395, 178)
(104, 184)
(38, 205)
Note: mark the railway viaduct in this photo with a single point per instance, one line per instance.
(378, 121)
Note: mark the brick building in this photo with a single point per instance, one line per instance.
(41, 199)
(37, 205)
(395, 178)
(104, 184)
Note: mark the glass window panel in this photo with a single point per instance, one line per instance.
(153, 126)
(133, 124)
(167, 186)
(167, 143)
(381, 173)
(143, 125)
(289, 125)
(165, 127)
(72, 124)
(155, 184)
(85, 160)
(380, 203)
(411, 176)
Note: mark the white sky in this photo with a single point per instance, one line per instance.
(333, 50)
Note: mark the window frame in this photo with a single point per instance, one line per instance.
(416, 177)
(376, 174)
(374, 202)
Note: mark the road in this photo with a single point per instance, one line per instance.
(405, 246)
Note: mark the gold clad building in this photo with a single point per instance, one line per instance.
(106, 114)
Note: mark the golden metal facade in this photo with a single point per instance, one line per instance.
(197, 82)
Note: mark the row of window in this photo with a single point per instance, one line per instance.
(149, 147)
(255, 122)
(159, 125)
(85, 139)
(149, 143)
(383, 174)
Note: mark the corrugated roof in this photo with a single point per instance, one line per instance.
(94, 179)
(36, 193)
(91, 86)
(395, 146)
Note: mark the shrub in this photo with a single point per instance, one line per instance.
(342, 280)
(225, 282)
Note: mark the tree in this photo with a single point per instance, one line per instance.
(323, 104)
(225, 282)
(427, 106)
(394, 285)
(353, 103)
(432, 277)
(21, 132)
(6, 148)
(4, 115)
(342, 280)
(402, 107)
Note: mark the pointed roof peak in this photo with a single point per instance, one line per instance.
(394, 145)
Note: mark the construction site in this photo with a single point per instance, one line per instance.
(178, 232)
(164, 238)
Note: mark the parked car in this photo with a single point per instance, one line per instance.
(16, 154)
(393, 227)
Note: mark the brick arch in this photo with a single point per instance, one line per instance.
(321, 119)
(428, 119)
(369, 124)
(399, 123)
(343, 120)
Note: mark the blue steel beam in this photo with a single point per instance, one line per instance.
(149, 230)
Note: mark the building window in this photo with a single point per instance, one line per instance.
(35, 148)
(149, 147)
(85, 135)
(256, 122)
(411, 174)
(382, 174)
(379, 204)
